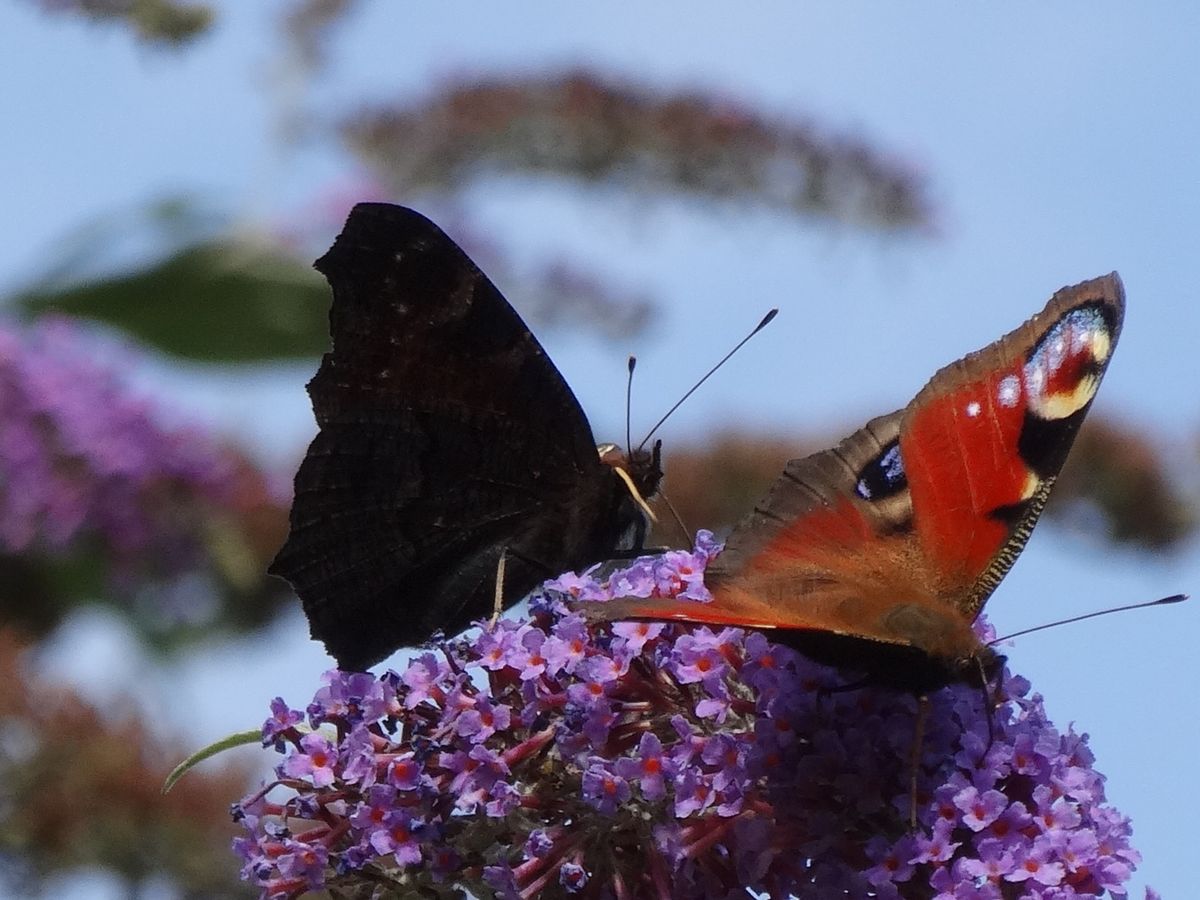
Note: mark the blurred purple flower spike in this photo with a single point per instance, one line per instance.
(542, 759)
(83, 459)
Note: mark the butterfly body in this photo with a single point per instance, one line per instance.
(446, 439)
(878, 554)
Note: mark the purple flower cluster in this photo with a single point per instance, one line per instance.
(84, 463)
(546, 758)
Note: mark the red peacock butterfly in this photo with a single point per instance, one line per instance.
(877, 555)
(446, 439)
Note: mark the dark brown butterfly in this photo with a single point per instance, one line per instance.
(878, 555)
(447, 439)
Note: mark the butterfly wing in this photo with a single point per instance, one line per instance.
(446, 437)
(899, 534)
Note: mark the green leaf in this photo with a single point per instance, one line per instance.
(216, 301)
(237, 739)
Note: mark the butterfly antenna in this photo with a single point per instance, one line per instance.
(683, 529)
(757, 328)
(1174, 598)
(629, 403)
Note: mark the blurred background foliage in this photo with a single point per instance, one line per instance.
(199, 519)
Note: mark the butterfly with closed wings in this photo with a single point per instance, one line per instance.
(447, 440)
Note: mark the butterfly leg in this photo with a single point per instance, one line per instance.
(990, 702)
(688, 534)
(498, 604)
(914, 757)
(824, 693)
(641, 529)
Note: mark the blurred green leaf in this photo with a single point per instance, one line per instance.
(163, 22)
(39, 590)
(216, 301)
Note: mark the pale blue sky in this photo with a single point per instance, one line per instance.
(1061, 141)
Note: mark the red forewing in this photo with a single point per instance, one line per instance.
(880, 552)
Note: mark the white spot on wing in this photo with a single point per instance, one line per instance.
(893, 465)
(973, 408)
(1008, 392)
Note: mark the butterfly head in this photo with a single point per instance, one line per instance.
(950, 649)
(640, 469)
(980, 668)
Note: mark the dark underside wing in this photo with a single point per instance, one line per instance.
(446, 439)
(900, 667)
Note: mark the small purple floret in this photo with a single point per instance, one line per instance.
(281, 724)
(315, 763)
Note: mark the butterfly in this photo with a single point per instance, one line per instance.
(447, 439)
(877, 555)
